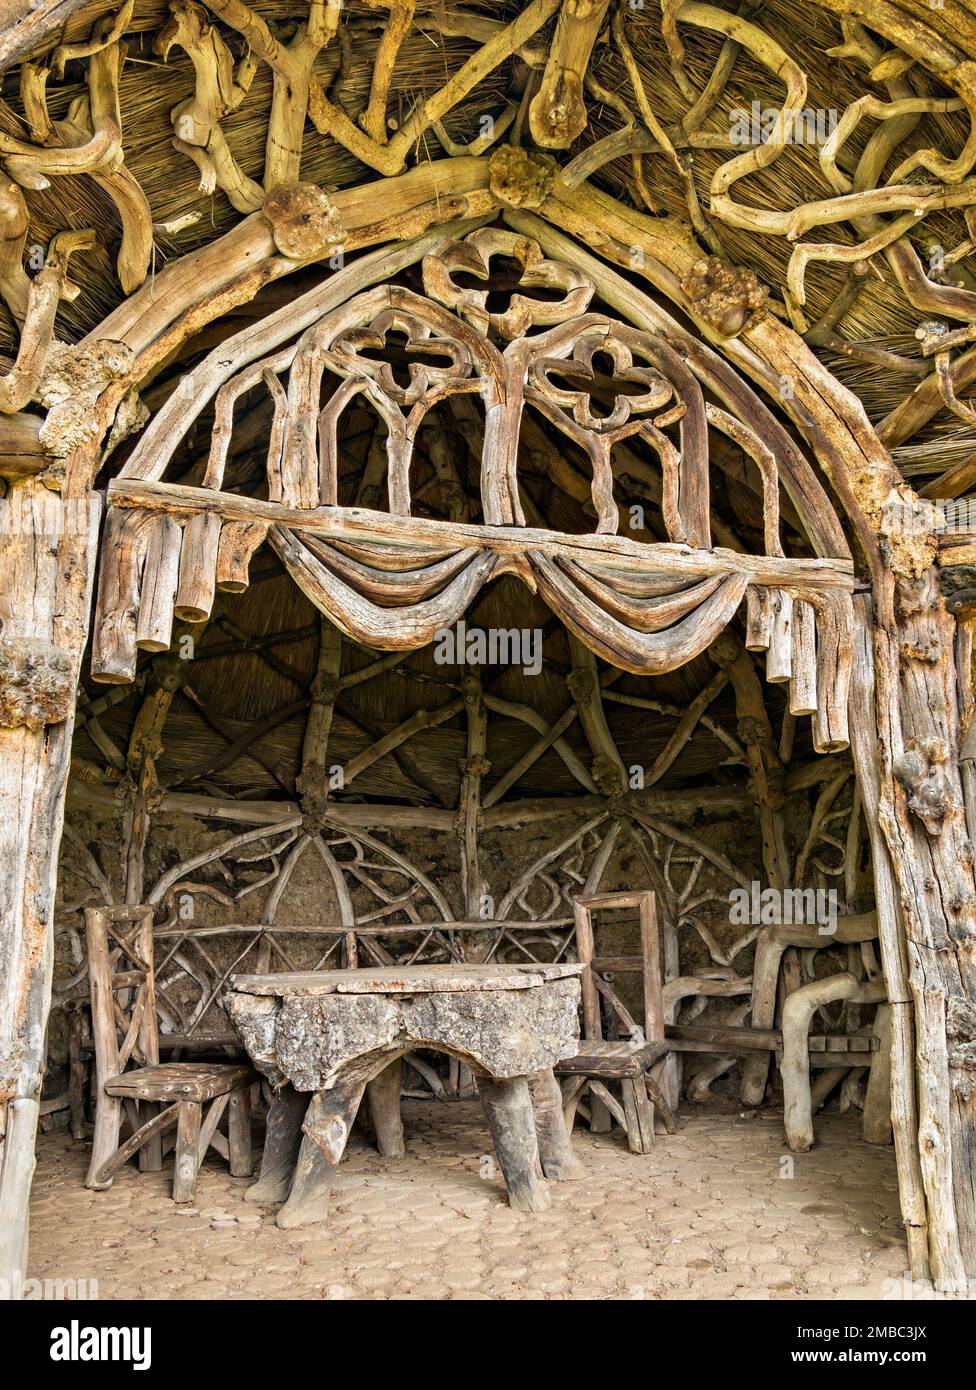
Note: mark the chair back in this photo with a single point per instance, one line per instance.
(122, 982)
(594, 982)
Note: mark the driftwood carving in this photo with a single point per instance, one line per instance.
(500, 319)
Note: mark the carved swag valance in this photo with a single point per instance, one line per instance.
(535, 348)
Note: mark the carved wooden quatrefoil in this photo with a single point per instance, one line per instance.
(422, 343)
(474, 255)
(546, 373)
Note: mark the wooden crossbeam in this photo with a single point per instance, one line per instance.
(358, 523)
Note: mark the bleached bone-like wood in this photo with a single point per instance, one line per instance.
(291, 67)
(161, 574)
(779, 654)
(907, 691)
(198, 568)
(622, 646)
(758, 619)
(123, 554)
(803, 679)
(557, 113)
(213, 377)
(238, 542)
(14, 223)
(473, 256)
(395, 31)
(89, 141)
(877, 1100)
(389, 159)
(219, 91)
(798, 1011)
(45, 596)
(50, 285)
(772, 942)
(835, 639)
(616, 553)
(577, 212)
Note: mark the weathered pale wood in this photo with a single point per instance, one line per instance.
(154, 626)
(45, 594)
(758, 619)
(557, 113)
(779, 654)
(508, 1110)
(187, 1151)
(352, 523)
(383, 1096)
(282, 1141)
(803, 678)
(894, 953)
(198, 568)
(877, 1099)
(238, 542)
(121, 560)
(239, 1133)
(771, 945)
(559, 1163)
(182, 1088)
(798, 1010)
(328, 1122)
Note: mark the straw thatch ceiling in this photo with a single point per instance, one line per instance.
(665, 72)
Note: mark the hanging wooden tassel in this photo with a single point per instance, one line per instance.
(154, 630)
(123, 554)
(198, 567)
(803, 685)
(238, 542)
(779, 656)
(758, 618)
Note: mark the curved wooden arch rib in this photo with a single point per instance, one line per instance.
(389, 629)
(642, 614)
(797, 476)
(615, 642)
(262, 340)
(385, 586)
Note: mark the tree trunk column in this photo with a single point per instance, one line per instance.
(922, 817)
(47, 552)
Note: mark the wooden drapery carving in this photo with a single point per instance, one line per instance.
(532, 345)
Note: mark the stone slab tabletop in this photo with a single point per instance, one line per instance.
(410, 979)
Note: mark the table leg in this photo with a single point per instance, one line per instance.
(508, 1108)
(559, 1163)
(282, 1141)
(327, 1125)
(383, 1095)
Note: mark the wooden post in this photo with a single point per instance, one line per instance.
(46, 566)
(651, 956)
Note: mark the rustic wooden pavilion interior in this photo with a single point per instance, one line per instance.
(486, 601)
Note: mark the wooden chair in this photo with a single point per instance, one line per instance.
(625, 1061)
(154, 1098)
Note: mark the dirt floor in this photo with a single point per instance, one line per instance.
(718, 1210)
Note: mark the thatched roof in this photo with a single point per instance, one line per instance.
(881, 363)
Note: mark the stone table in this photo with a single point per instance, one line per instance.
(340, 1034)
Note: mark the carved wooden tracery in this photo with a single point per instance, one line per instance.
(646, 608)
(182, 542)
